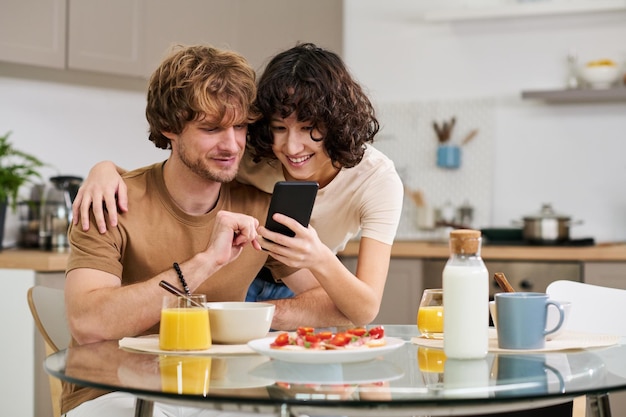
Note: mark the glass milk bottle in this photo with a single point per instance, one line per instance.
(466, 291)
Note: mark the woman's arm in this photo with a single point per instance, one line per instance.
(357, 296)
(99, 191)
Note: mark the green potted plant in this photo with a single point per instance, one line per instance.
(16, 169)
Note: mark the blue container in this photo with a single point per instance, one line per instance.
(449, 156)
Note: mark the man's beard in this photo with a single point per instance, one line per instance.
(200, 167)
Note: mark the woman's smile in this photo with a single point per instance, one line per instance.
(299, 160)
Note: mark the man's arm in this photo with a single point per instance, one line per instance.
(100, 308)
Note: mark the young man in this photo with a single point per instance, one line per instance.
(188, 225)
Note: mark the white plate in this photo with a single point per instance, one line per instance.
(336, 373)
(359, 354)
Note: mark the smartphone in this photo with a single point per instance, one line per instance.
(294, 199)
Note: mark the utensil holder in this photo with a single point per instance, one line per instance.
(449, 156)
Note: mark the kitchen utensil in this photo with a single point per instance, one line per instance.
(56, 212)
(172, 289)
(503, 282)
(416, 195)
(551, 321)
(238, 322)
(54, 221)
(547, 226)
(184, 324)
(601, 73)
(430, 314)
(522, 319)
(444, 132)
(69, 185)
(471, 135)
(448, 156)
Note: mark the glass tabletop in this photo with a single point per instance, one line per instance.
(410, 377)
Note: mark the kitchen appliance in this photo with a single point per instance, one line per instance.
(547, 226)
(29, 212)
(56, 212)
(510, 236)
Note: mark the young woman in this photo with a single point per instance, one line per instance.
(316, 125)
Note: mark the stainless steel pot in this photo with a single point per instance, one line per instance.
(547, 226)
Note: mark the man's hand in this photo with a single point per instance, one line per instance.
(231, 232)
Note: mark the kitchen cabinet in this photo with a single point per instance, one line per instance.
(33, 32)
(403, 290)
(579, 95)
(607, 274)
(24, 386)
(131, 37)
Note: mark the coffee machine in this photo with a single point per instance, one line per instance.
(56, 212)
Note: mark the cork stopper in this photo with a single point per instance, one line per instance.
(465, 241)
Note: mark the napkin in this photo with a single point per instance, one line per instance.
(567, 340)
(151, 344)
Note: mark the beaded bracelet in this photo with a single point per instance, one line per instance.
(181, 278)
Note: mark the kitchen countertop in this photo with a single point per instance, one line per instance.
(601, 252)
(43, 261)
(34, 259)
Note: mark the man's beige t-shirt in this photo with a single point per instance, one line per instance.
(155, 233)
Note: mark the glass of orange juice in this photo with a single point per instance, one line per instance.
(430, 314)
(184, 323)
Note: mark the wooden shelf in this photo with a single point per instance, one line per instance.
(578, 95)
(524, 9)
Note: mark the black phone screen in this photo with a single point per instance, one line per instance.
(294, 199)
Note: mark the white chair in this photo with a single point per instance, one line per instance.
(47, 305)
(590, 304)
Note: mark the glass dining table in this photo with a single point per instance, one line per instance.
(407, 381)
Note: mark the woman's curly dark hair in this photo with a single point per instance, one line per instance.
(316, 85)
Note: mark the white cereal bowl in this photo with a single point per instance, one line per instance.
(238, 322)
(551, 321)
(600, 76)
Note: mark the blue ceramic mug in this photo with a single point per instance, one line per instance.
(522, 319)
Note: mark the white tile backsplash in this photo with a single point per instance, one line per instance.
(408, 138)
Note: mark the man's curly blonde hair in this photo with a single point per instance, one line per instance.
(199, 82)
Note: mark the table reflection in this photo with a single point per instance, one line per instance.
(415, 375)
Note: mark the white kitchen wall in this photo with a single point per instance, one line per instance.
(71, 121)
(407, 136)
(569, 155)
